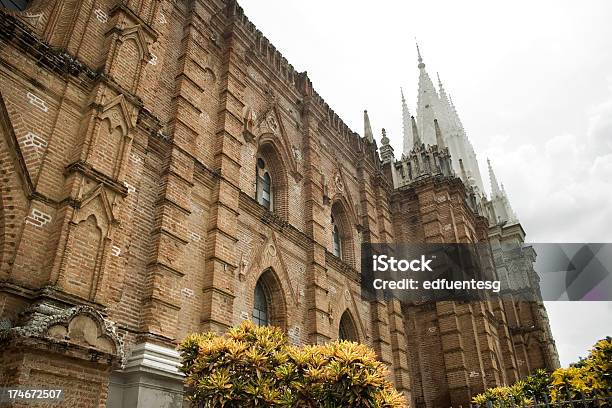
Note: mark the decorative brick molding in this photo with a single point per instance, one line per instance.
(79, 326)
(101, 15)
(37, 101)
(116, 251)
(34, 140)
(38, 218)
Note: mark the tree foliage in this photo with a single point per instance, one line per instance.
(589, 378)
(254, 366)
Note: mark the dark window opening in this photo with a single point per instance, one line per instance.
(260, 306)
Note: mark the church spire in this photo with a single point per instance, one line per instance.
(511, 214)
(407, 126)
(415, 132)
(367, 128)
(446, 109)
(427, 104)
(420, 58)
(495, 190)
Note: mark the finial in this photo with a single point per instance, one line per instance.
(367, 128)
(439, 80)
(402, 92)
(495, 191)
(421, 65)
(384, 139)
(463, 172)
(415, 133)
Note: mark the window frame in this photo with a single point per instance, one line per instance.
(263, 179)
(261, 305)
(336, 240)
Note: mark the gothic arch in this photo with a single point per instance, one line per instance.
(343, 220)
(275, 296)
(270, 129)
(347, 328)
(535, 352)
(348, 206)
(135, 34)
(269, 152)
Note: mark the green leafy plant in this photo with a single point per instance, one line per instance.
(589, 378)
(254, 366)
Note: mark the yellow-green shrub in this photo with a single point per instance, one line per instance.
(254, 366)
(589, 378)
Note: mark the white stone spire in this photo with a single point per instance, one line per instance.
(367, 128)
(495, 190)
(502, 210)
(407, 126)
(454, 113)
(447, 117)
(456, 139)
(427, 102)
(415, 132)
(439, 137)
(511, 212)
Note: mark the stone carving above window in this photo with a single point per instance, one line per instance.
(90, 334)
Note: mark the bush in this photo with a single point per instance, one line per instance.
(254, 366)
(589, 378)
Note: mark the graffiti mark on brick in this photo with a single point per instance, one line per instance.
(34, 140)
(130, 188)
(101, 15)
(115, 250)
(136, 158)
(37, 101)
(38, 218)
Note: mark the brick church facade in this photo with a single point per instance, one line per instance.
(164, 170)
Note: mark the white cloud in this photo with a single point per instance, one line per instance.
(561, 188)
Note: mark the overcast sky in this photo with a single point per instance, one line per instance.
(532, 82)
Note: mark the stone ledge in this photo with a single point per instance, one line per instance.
(154, 359)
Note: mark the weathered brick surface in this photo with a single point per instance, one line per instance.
(128, 184)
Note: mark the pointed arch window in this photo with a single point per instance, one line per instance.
(264, 184)
(336, 240)
(347, 330)
(260, 306)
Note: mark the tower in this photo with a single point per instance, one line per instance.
(433, 105)
(439, 197)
